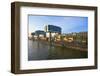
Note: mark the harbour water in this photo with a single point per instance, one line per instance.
(39, 50)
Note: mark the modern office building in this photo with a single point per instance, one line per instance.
(38, 34)
(52, 29)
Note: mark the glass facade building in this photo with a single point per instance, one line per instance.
(52, 29)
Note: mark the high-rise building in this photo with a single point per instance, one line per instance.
(52, 29)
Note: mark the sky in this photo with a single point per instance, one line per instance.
(68, 24)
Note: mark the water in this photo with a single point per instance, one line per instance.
(39, 50)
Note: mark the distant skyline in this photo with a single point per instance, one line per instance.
(67, 23)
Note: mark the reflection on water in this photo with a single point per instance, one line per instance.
(39, 50)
